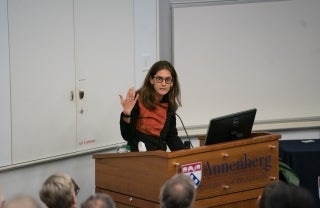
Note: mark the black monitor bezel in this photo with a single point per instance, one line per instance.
(227, 131)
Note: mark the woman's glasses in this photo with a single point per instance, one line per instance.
(168, 80)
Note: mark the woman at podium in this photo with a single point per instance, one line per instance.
(148, 118)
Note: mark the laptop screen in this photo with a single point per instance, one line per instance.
(230, 127)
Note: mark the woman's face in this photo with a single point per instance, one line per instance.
(162, 82)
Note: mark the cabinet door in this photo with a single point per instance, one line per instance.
(42, 68)
(5, 120)
(104, 39)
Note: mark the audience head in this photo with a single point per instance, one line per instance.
(99, 200)
(22, 201)
(178, 192)
(279, 194)
(59, 191)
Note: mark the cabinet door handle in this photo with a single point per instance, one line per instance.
(71, 95)
(81, 94)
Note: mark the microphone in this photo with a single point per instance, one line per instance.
(187, 144)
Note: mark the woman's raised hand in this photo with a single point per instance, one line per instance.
(129, 101)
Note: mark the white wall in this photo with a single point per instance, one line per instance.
(146, 53)
(302, 134)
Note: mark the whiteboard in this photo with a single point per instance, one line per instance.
(236, 56)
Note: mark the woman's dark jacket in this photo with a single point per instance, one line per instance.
(168, 136)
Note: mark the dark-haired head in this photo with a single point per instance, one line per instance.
(279, 194)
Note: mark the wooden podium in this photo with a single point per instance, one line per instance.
(231, 174)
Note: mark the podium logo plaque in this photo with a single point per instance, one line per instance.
(194, 171)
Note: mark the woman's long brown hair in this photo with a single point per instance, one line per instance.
(147, 92)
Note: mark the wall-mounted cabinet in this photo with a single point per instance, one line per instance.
(59, 51)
